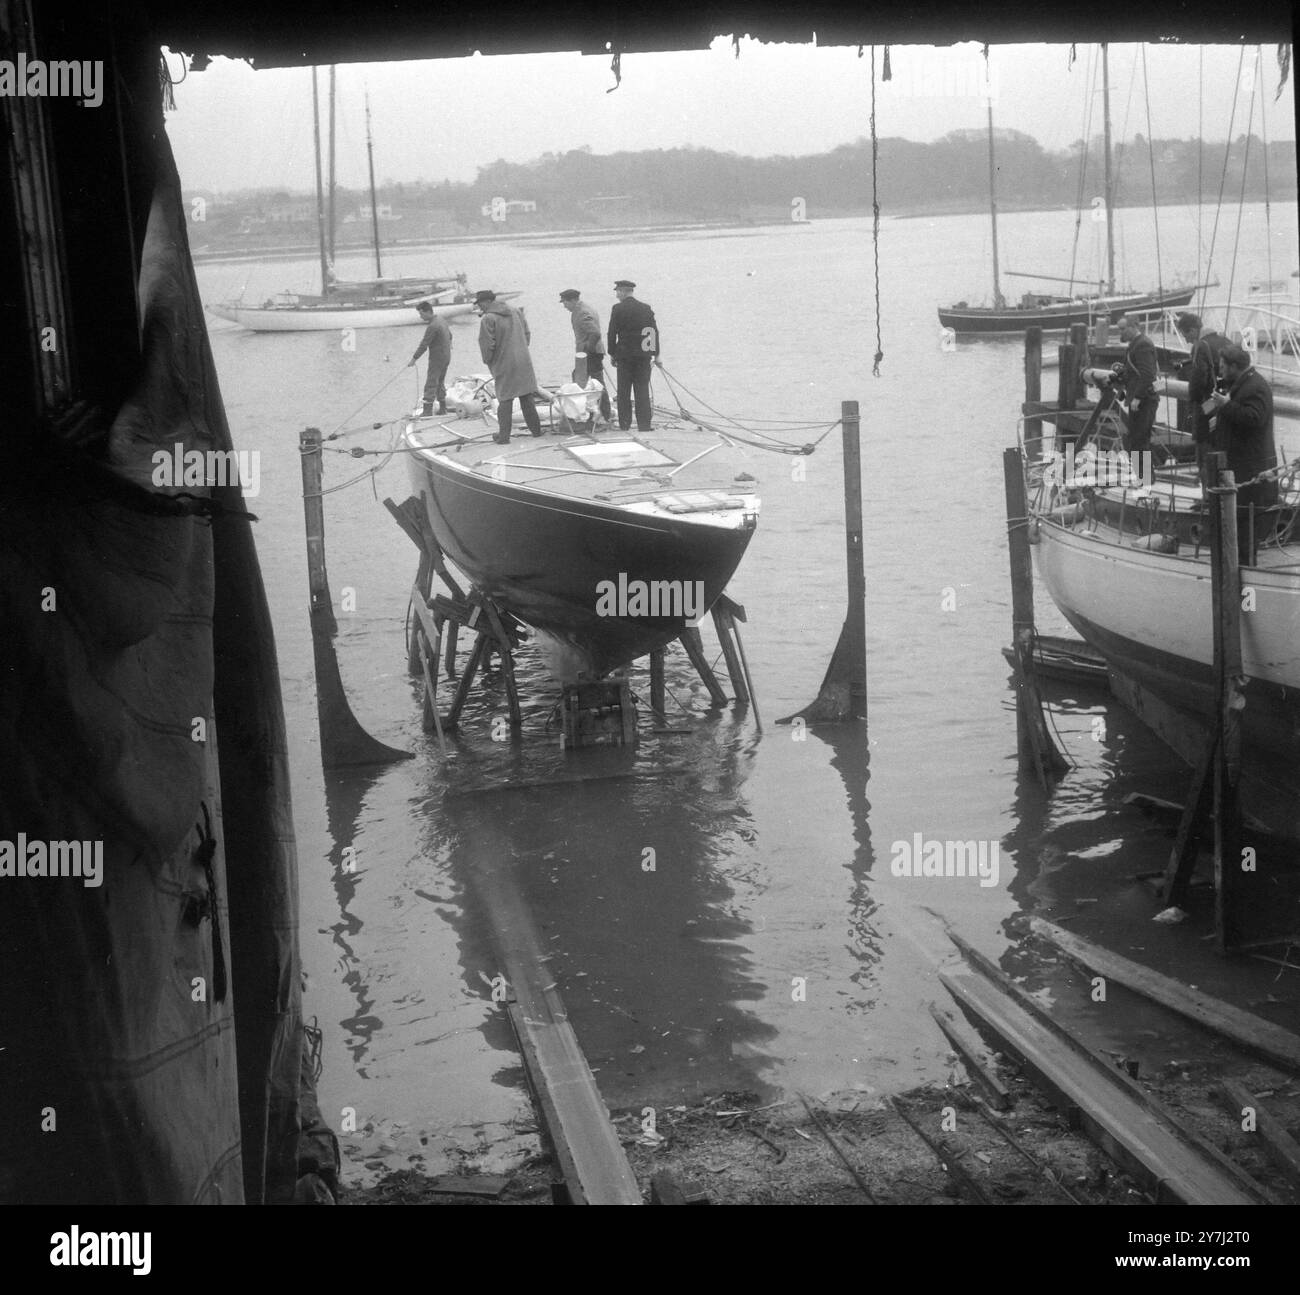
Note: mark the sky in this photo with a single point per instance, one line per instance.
(239, 128)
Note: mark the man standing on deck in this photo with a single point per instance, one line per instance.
(633, 347)
(1202, 373)
(1139, 385)
(437, 342)
(1244, 431)
(503, 339)
(587, 342)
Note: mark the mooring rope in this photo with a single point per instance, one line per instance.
(338, 431)
(875, 213)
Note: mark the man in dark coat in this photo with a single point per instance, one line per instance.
(1244, 431)
(437, 342)
(1140, 374)
(587, 342)
(1202, 373)
(633, 347)
(503, 338)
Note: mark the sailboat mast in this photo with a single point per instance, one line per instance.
(1110, 191)
(374, 202)
(331, 223)
(320, 194)
(998, 299)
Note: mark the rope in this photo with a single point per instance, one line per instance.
(338, 430)
(1151, 161)
(875, 214)
(1091, 79)
(1223, 181)
(779, 447)
(1268, 206)
(1241, 197)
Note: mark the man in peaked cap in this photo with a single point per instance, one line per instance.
(633, 347)
(587, 341)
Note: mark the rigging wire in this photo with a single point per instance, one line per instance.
(1268, 205)
(875, 213)
(1223, 180)
(1151, 162)
(1241, 198)
(1090, 84)
(1200, 154)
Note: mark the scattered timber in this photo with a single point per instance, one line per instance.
(1130, 1125)
(967, 1048)
(1262, 1038)
(1279, 1145)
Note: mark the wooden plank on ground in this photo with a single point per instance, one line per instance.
(491, 1185)
(1130, 1132)
(586, 1145)
(967, 1048)
(1280, 1146)
(1262, 1038)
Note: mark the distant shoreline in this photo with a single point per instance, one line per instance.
(297, 251)
(608, 233)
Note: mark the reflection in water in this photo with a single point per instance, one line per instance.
(345, 794)
(635, 865)
(851, 759)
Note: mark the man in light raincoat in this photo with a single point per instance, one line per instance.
(503, 338)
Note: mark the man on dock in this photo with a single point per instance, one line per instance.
(587, 342)
(1202, 373)
(503, 338)
(437, 342)
(1244, 431)
(633, 347)
(1139, 385)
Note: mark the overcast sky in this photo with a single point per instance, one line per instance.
(443, 119)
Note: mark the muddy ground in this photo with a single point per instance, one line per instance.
(851, 1148)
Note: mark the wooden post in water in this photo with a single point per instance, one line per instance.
(1082, 355)
(343, 741)
(1065, 378)
(313, 505)
(843, 694)
(1228, 678)
(1033, 388)
(1033, 740)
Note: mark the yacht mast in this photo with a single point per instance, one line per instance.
(992, 207)
(374, 204)
(1110, 189)
(320, 195)
(330, 224)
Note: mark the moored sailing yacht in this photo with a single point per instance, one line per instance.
(362, 303)
(1055, 312)
(1129, 565)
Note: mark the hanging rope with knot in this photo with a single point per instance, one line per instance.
(875, 214)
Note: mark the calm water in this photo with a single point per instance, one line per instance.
(772, 855)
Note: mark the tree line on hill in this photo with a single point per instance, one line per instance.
(580, 187)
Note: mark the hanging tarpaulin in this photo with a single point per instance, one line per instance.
(151, 1042)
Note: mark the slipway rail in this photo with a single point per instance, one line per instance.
(1130, 1125)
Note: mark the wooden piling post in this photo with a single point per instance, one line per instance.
(855, 622)
(1228, 677)
(313, 504)
(1065, 378)
(343, 741)
(657, 690)
(843, 694)
(1033, 388)
(1034, 742)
